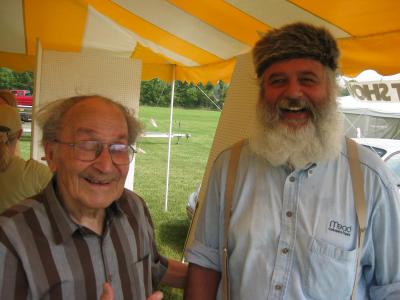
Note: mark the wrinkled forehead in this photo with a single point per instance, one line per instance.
(94, 118)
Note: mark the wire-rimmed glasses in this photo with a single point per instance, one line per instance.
(120, 154)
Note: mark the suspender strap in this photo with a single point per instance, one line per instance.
(360, 203)
(230, 182)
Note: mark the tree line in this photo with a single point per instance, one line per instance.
(153, 92)
(158, 93)
(14, 80)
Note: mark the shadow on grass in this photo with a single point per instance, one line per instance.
(173, 233)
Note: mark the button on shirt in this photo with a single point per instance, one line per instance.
(293, 235)
(44, 255)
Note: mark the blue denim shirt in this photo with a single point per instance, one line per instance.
(293, 235)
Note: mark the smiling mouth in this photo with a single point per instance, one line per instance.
(294, 109)
(97, 182)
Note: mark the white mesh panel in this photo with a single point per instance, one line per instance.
(64, 74)
(236, 121)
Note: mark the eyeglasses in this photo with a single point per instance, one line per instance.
(120, 154)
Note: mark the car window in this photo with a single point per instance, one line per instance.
(381, 152)
(394, 163)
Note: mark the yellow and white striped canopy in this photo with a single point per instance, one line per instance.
(200, 37)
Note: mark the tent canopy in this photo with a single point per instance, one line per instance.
(202, 37)
(370, 119)
(350, 105)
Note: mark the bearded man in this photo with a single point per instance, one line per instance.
(293, 228)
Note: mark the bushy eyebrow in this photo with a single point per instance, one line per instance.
(278, 75)
(91, 132)
(273, 76)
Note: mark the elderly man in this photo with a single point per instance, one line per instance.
(293, 229)
(84, 229)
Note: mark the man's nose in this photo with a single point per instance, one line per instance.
(104, 161)
(294, 90)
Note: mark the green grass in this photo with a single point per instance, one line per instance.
(188, 161)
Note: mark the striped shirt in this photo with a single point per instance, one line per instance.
(45, 255)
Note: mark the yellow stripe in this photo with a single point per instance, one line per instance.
(152, 33)
(225, 18)
(60, 24)
(357, 17)
(161, 71)
(17, 62)
(208, 73)
(157, 66)
(212, 72)
(380, 53)
(148, 56)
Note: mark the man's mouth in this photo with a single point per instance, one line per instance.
(294, 109)
(294, 113)
(98, 182)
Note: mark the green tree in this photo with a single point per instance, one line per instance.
(158, 93)
(13, 80)
(24, 80)
(7, 79)
(155, 92)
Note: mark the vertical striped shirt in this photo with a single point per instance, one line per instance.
(45, 255)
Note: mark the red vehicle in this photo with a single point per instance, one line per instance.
(24, 97)
(24, 102)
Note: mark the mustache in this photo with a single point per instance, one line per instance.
(297, 104)
(274, 112)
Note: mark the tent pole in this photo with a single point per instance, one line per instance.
(170, 137)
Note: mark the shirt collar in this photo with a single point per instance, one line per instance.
(307, 168)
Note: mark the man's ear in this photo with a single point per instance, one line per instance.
(50, 155)
(19, 134)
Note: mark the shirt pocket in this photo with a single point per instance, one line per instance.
(142, 274)
(330, 271)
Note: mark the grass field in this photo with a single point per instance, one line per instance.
(188, 160)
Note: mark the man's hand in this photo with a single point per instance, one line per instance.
(156, 296)
(108, 293)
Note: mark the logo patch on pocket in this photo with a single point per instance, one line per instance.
(335, 226)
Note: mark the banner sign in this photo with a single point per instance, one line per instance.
(376, 91)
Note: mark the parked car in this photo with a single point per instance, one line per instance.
(24, 102)
(23, 97)
(387, 149)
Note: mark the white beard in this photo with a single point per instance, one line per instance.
(315, 142)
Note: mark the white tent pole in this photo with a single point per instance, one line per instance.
(170, 136)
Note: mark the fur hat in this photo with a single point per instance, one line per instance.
(10, 121)
(297, 40)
